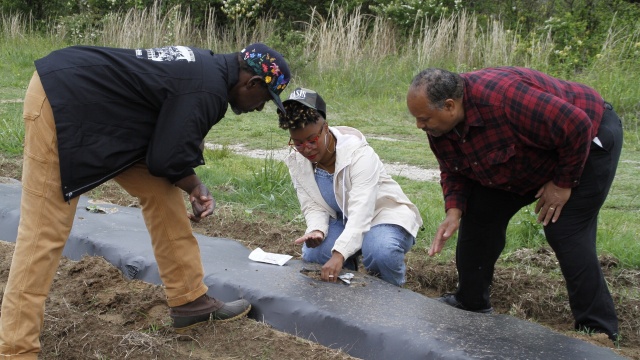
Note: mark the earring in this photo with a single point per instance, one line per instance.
(327, 145)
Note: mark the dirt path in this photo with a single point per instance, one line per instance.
(396, 169)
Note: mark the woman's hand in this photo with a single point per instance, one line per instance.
(331, 269)
(313, 239)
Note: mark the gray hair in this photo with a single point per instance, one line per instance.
(439, 85)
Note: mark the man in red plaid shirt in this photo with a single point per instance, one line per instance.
(505, 137)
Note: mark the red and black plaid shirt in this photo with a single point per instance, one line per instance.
(522, 128)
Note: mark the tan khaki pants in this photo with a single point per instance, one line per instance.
(45, 224)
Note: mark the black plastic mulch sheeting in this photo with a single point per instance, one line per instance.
(368, 319)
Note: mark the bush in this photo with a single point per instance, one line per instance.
(405, 13)
(242, 9)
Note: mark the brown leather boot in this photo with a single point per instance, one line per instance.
(206, 308)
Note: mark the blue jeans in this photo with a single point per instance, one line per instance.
(383, 250)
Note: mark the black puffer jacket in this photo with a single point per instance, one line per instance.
(115, 107)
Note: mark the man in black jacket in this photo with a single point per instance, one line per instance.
(138, 116)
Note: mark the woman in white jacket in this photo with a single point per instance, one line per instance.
(350, 203)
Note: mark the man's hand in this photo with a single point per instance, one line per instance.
(331, 269)
(446, 229)
(202, 203)
(313, 239)
(551, 199)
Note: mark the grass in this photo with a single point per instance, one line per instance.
(364, 80)
(11, 128)
(16, 66)
(265, 185)
(253, 184)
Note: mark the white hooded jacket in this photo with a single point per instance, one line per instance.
(366, 194)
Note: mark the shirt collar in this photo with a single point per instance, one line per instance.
(232, 70)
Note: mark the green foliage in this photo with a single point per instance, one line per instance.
(40, 10)
(291, 45)
(406, 13)
(290, 13)
(79, 28)
(197, 9)
(11, 128)
(362, 71)
(11, 134)
(572, 51)
(243, 9)
(262, 185)
(524, 231)
(101, 7)
(76, 16)
(16, 66)
(616, 237)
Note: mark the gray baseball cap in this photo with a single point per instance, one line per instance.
(310, 99)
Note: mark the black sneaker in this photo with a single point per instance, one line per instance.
(206, 308)
(450, 299)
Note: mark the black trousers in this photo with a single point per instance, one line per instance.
(482, 236)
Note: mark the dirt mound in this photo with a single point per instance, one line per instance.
(93, 311)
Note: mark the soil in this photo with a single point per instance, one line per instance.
(93, 311)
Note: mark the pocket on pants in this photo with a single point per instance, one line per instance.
(40, 152)
(596, 174)
(40, 130)
(34, 174)
(33, 105)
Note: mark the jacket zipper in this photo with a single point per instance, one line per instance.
(69, 195)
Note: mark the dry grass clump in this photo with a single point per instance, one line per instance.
(542, 258)
(429, 277)
(353, 38)
(348, 38)
(148, 27)
(15, 26)
(344, 37)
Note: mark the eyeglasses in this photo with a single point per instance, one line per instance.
(310, 143)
